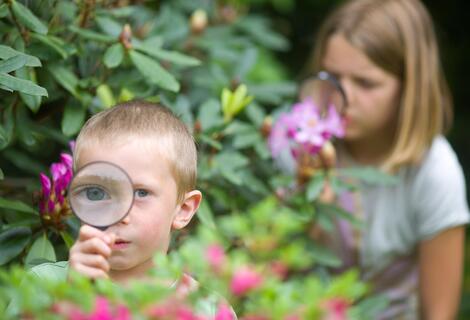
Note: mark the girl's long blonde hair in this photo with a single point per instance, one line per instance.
(398, 36)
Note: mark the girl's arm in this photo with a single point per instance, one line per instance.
(440, 269)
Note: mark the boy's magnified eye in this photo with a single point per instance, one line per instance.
(141, 193)
(94, 193)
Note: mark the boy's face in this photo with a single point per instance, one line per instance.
(146, 229)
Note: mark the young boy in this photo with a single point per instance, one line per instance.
(155, 148)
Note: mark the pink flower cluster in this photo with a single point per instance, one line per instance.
(52, 201)
(304, 129)
(103, 310)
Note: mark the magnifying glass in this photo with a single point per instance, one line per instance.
(325, 91)
(101, 194)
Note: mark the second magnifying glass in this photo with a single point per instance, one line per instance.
(325, 91)
(101, 194)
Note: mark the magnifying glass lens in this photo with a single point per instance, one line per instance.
(101, 194)
(325, 91)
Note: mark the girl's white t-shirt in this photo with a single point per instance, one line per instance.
(426, 200)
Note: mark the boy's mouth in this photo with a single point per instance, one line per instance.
(120, 244)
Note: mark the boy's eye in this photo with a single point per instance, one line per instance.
(140, 193)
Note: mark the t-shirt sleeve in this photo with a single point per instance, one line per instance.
(439, 196)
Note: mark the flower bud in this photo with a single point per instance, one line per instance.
(328, 155)
(198, 21)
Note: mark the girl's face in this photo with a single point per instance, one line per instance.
(372, 93)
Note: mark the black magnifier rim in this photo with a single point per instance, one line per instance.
(107, 163)
(326, 76)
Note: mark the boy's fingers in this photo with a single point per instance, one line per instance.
(90, 260)
(95, 246)
(88, 232)
(90, 272)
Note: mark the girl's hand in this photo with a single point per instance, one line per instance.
(89, 254)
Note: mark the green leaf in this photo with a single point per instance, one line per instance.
(21, 85)
(209, 114)
(24, 161)
(33, 102)
(69, 241)
(57, 44)
(114, 55)
(369, 175)
(16, 206)
(13, 63)
(92, 35)
(27, 18)
(7, 52)
(12, 243)
(65, 78)
(2, 176)
(105, 95)
(4, 139)
(170, 56)
(334, 210)
(206, 216)
(315, 186)
(4, 10)
(41, 249)
(153, 72)
(73, 119)
(324, 256)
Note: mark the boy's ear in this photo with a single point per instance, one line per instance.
(187, 209)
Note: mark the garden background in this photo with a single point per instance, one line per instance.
(87, 59)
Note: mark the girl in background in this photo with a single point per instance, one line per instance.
(384, 54)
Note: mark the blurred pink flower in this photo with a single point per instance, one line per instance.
(335, 309)
(244, 280)
(216, 257)
(303, 129)
(224, 312)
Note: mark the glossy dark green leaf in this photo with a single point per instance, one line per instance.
(21, 85)
(13, 63)
(69, 241)
(4, 138)
(27, 18)
(33, 102)
(324, 256)
(153, 72)
(16, 206)
(57, 44)
(92, 35)
(210, 114)
(170, 56)
(12, 243)
(41, 249)
(2, 176)
(73, 119)
(114, 55)
(24, 161)
(7, 52)
(65, 78)
(4, 10)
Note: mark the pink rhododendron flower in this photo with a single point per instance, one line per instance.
(304, 129)
(216, 257)
(224, 312)
(335, 309)
(52, 203)
(244, 280)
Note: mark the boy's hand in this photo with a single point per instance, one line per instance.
(89, 254)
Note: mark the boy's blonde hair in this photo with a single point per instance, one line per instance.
(152, 124)
(398, 36)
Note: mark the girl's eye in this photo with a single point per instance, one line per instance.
(365, 83)
(140, 193)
